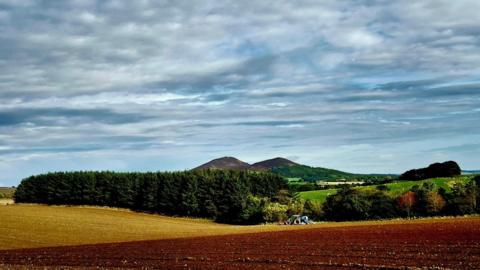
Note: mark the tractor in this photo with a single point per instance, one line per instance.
(297, 220)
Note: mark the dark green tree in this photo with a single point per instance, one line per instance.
(462, 200)
(346, 204)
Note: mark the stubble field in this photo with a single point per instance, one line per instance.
(32, 225)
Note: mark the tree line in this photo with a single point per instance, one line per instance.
(224, 195)
(241, 197)
(419, 201)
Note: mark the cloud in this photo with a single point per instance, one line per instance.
(258, 123)
(105, 99)
(471, 147)
(129, 85)
(294, 90)
(56, 116)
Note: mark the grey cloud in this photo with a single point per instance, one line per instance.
(52, 115)
(454, 90)
(255, 123)
(234, 77)
(471, 147)
(413, 84)
(428, 90)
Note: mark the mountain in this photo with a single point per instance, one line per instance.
(273, 163)
(225, 163)
(289, 169)
(236, 164)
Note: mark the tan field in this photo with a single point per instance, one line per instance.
(29, 226)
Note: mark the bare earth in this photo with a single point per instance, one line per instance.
(442, 244)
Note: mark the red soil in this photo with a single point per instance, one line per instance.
(450, 244)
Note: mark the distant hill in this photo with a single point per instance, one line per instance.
(273, 163)
(290, 169)
(470, 171)
(225, 163)
(312, 174)
(308, 173)
(236, 164)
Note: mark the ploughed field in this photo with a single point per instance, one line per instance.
(427, 244)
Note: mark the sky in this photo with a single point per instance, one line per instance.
(361, 86)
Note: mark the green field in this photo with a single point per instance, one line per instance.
(295, 180)
(395, 189)
(317, 195)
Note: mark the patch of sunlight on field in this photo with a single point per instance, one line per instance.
(317, 195)
(6, 201)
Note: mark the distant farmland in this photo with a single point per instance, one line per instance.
(395, 188)
(6, 192)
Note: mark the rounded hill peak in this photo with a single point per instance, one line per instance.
(273, 163)
(225, 163)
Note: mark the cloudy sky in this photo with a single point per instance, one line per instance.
(361, 86)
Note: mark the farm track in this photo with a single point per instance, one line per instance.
(453, 244)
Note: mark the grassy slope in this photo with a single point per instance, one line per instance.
(396, 188)
(313, 174)
(310, 173)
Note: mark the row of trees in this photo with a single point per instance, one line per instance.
(242, 197)
(445, 169)
(226, 196)
(425, 200)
